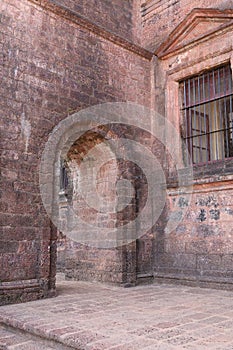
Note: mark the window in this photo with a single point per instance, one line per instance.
(63, 176)
(208, 114)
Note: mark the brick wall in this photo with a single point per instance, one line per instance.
(116, 15)
(199, 250)
(49, 67)
(117, 265)
(53, 64)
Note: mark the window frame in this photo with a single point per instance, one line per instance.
(209, 137)
(173, 100)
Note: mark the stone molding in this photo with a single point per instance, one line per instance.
(72, 16)
(200, 25)
(19, 284)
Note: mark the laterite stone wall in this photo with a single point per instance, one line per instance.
(50, 67)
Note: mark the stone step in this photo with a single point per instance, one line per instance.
(144, 278)
(14, 339)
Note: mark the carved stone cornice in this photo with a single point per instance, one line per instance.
(70, 15)
(200, 25)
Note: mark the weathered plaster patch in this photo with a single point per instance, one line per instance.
(25, 130)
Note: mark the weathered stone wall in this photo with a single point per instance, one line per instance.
(50, 67)
(199, 249)
(116, 16)
(159, 18)
(116, 265)
(54, 63)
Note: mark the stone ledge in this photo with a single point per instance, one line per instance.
(66, 13)
(195, 281)
(23, 291)
(33, 283)
(13, 338)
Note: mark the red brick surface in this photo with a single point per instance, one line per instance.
(115, 15)
(53, 64)
(50, 67)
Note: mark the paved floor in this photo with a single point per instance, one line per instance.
(98, 317)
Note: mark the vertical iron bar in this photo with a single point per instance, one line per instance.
(190, 121)
(185, 116)
(200, 118)
(215, 115)
(230, 110)
(210, 118)
(226, 121)
(195, 149)
(221, 118)
(205, 116)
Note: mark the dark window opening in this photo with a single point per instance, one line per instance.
(208, 115)
(64, 181)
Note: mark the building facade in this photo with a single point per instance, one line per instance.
(59, 58)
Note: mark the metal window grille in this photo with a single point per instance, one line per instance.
(208, 115)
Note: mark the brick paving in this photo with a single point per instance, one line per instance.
(14, 339)
(91, 316)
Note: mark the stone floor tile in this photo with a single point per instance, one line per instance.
(91, 316)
